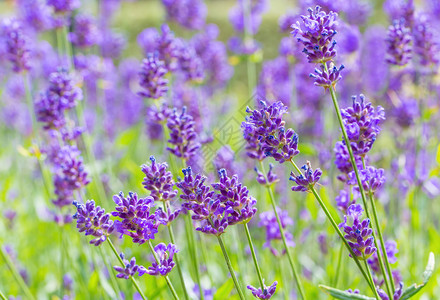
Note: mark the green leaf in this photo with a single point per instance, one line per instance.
(415, 288)
(343, 295)
(438, 155)
(224, 291)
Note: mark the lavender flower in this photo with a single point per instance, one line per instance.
(372, 179)
(235, 196)
(256, 10)
(64, 6)
(285, 21)
(182, 135)
(267, 293)
(426, 46)
(62, 94)
(343, 162)
(306, 180)
(130, 269)
(357, 12)
(16, 44)
(190, 65)
(399, 43)
(70, 175)
(390, 249)
(271, 177)
(362, 121)
(275, 81)
(137, 220)
(269, 222)
(344, 201)
(152, 77)
(112, 44)
(86, 33)
(93, 221)
(165, 260)
(357, 232)
(158, 181)
(36, 14)
(327, 79)
(316, 32)
(190, 14)
(265, 133)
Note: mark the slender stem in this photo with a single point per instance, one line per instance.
(231, 270)
(382, 243)
(371, 278)
(335, 226)
(170, 285)
(283, 237)
(356, 171)
(192, 246)
(110, 270)
(338, 266)
(254, 257)
(2, 296)
(123, 265)
(176, 257)
(16, 274)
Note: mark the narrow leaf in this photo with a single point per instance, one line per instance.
(225, 290)
(415, 288)
(343, 295)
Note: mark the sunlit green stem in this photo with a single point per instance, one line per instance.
(356, 171)
(338, 266)
(123, 265)
(371, 278)
(16, 274)
(283, 237)
(231, 270)
(2, 296)
(167, 279)
(382, 243)
(176, 257)
(335, 226)
(254, 257)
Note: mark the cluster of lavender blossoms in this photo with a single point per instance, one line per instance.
(358, 233)
(273, 233)
(16, 44)
(152, 77)
(227, 203)
(265, 133)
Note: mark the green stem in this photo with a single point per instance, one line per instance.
(382, 244)
(371, 278)
(254, 257)
(356, 171)
(123, 265)
(192, 247)
(110, 271)
(2, 296)
(176, 258)
(338, 266)
(283, 237)
(231, 270)
(16, 274)
(170, 285)
(335, 226)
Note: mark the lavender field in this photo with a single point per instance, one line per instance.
(219, 149)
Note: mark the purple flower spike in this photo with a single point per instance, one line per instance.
(304, 181)
(137, 221)
(327, 79)
(316, 32)
(17, 45)
(391, 250)
(152, 77)
(357, 232)
(131, 268)
(267, 293)
(182, 135)
(86, 33)
(166, 263)
(372, 178)
(190, 14)
(343, 201)
(266, 135)
(64, 6)
(399, 43)
(362, 121)
(273, 233)
(426, 47)
(93, 221)
(158, 181)
(271, 177)
(343, 162)
(236, 198)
